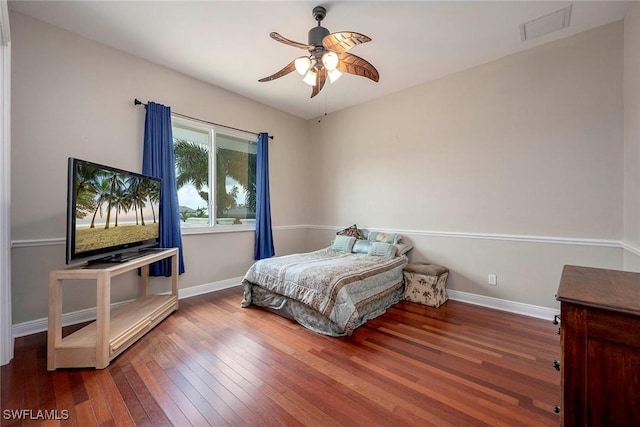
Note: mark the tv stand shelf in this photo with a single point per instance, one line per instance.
(98, 343)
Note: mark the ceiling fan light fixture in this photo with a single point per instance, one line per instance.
(310, 78)
(330, 60)
(302, 64)
(328, 56)
(334, 75)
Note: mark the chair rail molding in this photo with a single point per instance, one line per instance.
(576, 241)
(629, 247)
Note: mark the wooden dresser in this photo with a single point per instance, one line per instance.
(600, 340)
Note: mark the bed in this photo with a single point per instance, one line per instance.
(333, 290)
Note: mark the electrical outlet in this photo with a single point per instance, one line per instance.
(493, 280)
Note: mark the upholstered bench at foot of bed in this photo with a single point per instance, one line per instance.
(426, 284)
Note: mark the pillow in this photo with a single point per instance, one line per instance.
(343, 243)
(350, 231)
(385, 250)
(403, 248)
(361, 247)
(377, 236)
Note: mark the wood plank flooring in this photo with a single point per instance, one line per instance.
(214, 363)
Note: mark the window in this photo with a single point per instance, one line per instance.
(215, 175)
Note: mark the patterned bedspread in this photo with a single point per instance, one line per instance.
(333, 283)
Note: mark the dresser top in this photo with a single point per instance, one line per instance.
(597, 287)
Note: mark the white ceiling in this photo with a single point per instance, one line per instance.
(227, 43)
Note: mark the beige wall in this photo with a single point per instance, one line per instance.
(73, 97)
(632, 135)
(512, 168)
(529, 145)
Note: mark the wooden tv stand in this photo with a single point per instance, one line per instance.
(98, 343)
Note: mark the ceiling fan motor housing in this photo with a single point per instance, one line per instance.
(316, 34)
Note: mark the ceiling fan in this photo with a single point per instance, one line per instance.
(328, 56)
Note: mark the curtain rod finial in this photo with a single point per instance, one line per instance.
(137, 102)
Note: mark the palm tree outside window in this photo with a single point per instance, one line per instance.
(215, 175)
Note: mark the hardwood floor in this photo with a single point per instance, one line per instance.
(214, 363)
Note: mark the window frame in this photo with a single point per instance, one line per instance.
(212, 132)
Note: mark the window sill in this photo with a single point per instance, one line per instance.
(186, 231)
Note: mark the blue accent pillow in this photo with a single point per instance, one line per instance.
(361, 247)
(386, 250)
(343, 243)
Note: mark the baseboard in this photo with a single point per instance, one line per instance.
(72, 318)
(209, 287)
(89, 314)
(504, 305)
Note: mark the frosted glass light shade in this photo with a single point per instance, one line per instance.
(330, 60)
(302, 65)
(334, 75)
(310, 78)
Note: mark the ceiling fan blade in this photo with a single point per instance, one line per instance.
(353, 64)
(344, 40)
(291, 66)
(321, 78)
(277, 37)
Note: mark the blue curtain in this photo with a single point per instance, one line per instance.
(264, 235)
(158, 161)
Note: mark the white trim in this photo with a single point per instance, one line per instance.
(6, 339)
(577, 241)
(89, 314)
(5, 33)
(486, 236)
(27, 243)
(290, 227)
(216, 229)
(72, 318)
(630, 248)
(503, 305)
(519, 238)
(209, 287)
(235, 229)
(37, 242)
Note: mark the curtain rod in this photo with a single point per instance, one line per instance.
(136, 101)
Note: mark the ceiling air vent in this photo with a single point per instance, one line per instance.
(545, 24)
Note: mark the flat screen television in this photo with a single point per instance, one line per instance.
(112, 214)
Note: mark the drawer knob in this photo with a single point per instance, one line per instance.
(558, 331)
(556, 409)
(556, 319)
(556, 365)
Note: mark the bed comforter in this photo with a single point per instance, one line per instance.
(337, 285)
